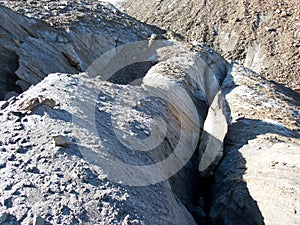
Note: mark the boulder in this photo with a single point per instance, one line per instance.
(36, 42)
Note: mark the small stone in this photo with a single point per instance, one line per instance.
(33, 103)
(283, 13)
(270, 29)
(102, 109)
(153, 37)
(62, 141)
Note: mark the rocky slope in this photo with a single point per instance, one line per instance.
(57, 36)
(264, 35)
